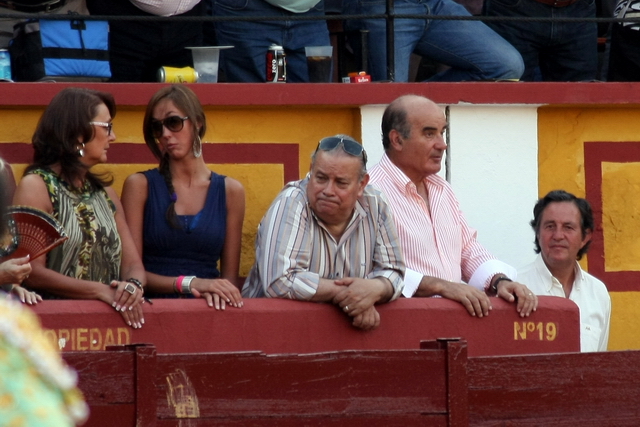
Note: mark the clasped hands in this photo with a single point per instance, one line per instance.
(127, 300)
(357, 299)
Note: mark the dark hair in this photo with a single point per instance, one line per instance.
(64, 122)
(186, 101)
(586, 216)
(395, 117)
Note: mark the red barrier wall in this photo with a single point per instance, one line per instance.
(283, 326)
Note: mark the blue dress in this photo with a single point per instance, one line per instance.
(193, 250)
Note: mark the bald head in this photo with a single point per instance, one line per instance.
(413, 130)
(396, 115)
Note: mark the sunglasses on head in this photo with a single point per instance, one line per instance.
(173, 123)
(348, 145)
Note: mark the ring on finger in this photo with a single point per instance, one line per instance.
(130, 288)
(346, 308)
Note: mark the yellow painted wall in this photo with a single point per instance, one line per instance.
(303, 126)
(562, 132)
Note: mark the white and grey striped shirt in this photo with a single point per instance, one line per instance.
(294, 250)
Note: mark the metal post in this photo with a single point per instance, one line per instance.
(391, 69)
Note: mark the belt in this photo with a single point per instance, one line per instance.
(33, 7)
(557, 3)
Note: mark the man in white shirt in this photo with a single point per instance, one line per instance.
(440, 249)
(563, 224)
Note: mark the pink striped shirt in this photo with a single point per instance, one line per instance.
(435, 239)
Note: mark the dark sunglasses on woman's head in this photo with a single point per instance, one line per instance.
(348, 145)
(173, 123)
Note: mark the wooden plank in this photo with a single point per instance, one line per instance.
(105, 378)
(585, 389)
(342, 384)
(301, 421)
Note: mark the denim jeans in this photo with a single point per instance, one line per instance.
(563, 51)
(470, 48)
(246, 62)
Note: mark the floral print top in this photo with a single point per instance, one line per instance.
(94, 250)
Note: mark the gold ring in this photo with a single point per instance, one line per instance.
(130, 288)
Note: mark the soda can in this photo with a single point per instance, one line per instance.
(5, 65)
(177, 75)
(276, 65)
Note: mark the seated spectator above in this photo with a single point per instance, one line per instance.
(99, 260)
(137, 49)
(552, 51)
(624, 53)
(471, 49)
(563, 224)
(35, 9)
(185, 219)
(246, 62)
(330, 238)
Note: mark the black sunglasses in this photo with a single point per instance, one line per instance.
(348, 145)
(173, 123)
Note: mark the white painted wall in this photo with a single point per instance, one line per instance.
(493, 169)
(494, 172)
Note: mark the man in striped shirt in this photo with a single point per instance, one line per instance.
(440, 249)
(330, 238)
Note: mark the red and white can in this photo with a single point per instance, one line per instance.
(276, 65)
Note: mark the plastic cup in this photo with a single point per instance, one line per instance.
(319, 63)
(206, 60)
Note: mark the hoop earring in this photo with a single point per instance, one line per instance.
(81, 150)
(197, 147)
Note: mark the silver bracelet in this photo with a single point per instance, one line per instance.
(186, 284)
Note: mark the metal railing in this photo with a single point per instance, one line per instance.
(389, 16)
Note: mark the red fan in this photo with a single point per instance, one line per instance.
(34, 233)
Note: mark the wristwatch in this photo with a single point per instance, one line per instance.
(494, 286)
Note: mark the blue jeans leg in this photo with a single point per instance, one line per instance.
(251, 40)
(470, 48)
(562, 51)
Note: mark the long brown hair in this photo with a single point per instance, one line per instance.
(186, 101)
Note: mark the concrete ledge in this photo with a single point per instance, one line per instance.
(339, 94)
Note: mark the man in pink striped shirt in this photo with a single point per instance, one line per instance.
(440, 249)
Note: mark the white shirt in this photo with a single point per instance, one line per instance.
(435, 237)
(165, 7)
(590, 295)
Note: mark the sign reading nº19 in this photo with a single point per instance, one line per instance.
(539, 331)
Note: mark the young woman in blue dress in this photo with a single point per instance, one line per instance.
(185, 219)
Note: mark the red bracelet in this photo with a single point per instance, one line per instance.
(179, 284)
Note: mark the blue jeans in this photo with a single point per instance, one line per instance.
(563, 51)
(246, 62)
(470, 48)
